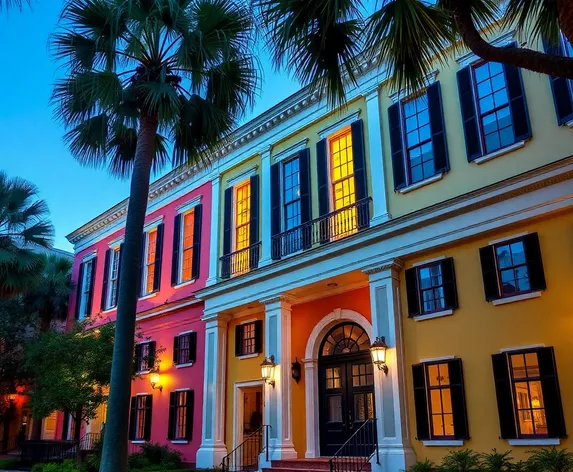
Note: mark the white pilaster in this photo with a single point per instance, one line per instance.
(213, 447)
(311, 413)
(278, 400)
(266, 207)
(376, 152)
(214, 241)
(394, 439)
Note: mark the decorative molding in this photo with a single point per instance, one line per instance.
(436, 359)
(521, 348)
(282, 298)
(516, 298)
(89, 256)
(242, 176)
(431, 316)
(422, 183)
(405, 93)
(429, 261)
(291, 151)
(184, 207)
(500, 152)
(338, 125)
(535, 442)
(508, 238)
(396, 264)
(153, 224)
(470, 57)
(371, 93)
(216, 317)
(116, 242)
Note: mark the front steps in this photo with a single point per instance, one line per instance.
(320, 464)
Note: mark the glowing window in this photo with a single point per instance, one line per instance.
(440, 400)
(342, 179)
(150, 261)
(187, 246)
(242, 226)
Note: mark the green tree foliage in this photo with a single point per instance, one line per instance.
(318, 40)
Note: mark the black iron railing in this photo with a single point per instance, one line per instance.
(355, 454)
(245, 457)
(89, 440)
(331, 227)
(9, 444)
(240, 262)
(45, 451)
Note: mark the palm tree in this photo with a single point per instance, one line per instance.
(23, 229)
(8, 4)
(141, 72)
(319, 39)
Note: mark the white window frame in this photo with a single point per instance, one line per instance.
(138, 440)
(139, 371)
(85, 300)
(333, 135)
(186, 364)
(234, 220)
(187, 210)
(144, 292)
(114, 250)
(178, 392)
(283, 162)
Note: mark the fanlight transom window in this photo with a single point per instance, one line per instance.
(345, 339)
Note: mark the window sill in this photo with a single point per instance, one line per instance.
(184, 284)
(181, 366)
(516, 298)
(444, 443)
(109, 310)
(535, 442)
(249, 356)
(569, 124)
(149, 295)
(422, 183)
(500, 152)
(438, 314)
(138, 441)
(143, 372)
(179, 441)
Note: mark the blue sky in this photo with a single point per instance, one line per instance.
(31, 143)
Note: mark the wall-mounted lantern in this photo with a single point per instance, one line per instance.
(154, 380)
(378, 352)
(296, 370)
(268, 370)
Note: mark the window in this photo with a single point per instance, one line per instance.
(440, 400)
(150, 269)
(140, 419)
(113, 277)
(150, 261)
(512, 267)
(249, 338)
(185, 348)
(242, 226)
(145, 356)
(187, 249)
(431, 288)
(528, 395)
(342, 181)
(85, 288)
(419, 150)
(69, 427)
(291, 194)
(180, 415)
(493, 105)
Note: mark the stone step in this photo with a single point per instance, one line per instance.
(319, 464)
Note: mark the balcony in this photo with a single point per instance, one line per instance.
(334, 226)
(241, 261)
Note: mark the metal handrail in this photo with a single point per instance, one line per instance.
(357, 451)
(245, 457)
(333, 226)
(241, 261)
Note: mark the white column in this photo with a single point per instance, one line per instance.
(278, 399)
(213, 447)
(394, 439)
(214, 241)
(312, 417)
(266, 207)
(376, 152)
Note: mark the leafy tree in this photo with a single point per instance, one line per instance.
(319, 39)
(23, 229)
(141, 72)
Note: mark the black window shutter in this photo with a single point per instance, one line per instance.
(412, 292)
(151, 359)
(275, 211)
(148, 412)
(551, 393)
(227, 234)
(469, 115)
(438, 127)
(93, 267)
(189, 415)
(449, 279)
(175, 250)
(421, 402)
(172, 414)
(137, 359)
(79, 289)
(197, 223)
(259, 336)
(192, 347)
(322, 174)
(66, 426)
(458, 397)
(119, 269)
(140, 281)
(397, 147)
(359, 156)
(158, 258)
(254, 225)
(489, 273)
(305, 196)
(176, 350)
(562, 97)
(132, 418)
(106, 263)
(517, 103)
(534, 262)
(504, 394)
(238, 340)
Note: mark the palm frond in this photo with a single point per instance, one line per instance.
(537, 18)
(88, 140)
(9, 4)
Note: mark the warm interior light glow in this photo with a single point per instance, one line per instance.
(378, 352)
(12, 397)
(268, 370)
(154, 378)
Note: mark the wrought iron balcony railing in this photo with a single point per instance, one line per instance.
(241, 261)
(355, 454)
(331, 227)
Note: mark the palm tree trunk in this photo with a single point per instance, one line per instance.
(114, 456)
(565, 11)
(535, 61)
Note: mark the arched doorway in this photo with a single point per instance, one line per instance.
(346, 385)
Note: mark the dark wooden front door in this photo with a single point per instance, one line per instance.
(346, 389)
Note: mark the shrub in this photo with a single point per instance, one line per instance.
(155, 455)
(423, 466)
(497, 462)
(9, 464)
(464, 460)
(551, 460)
(66, 466)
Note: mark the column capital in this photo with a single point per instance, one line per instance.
(371, 92)
(265, 151)
(389, 266)
(216, 319)
(282, 299)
